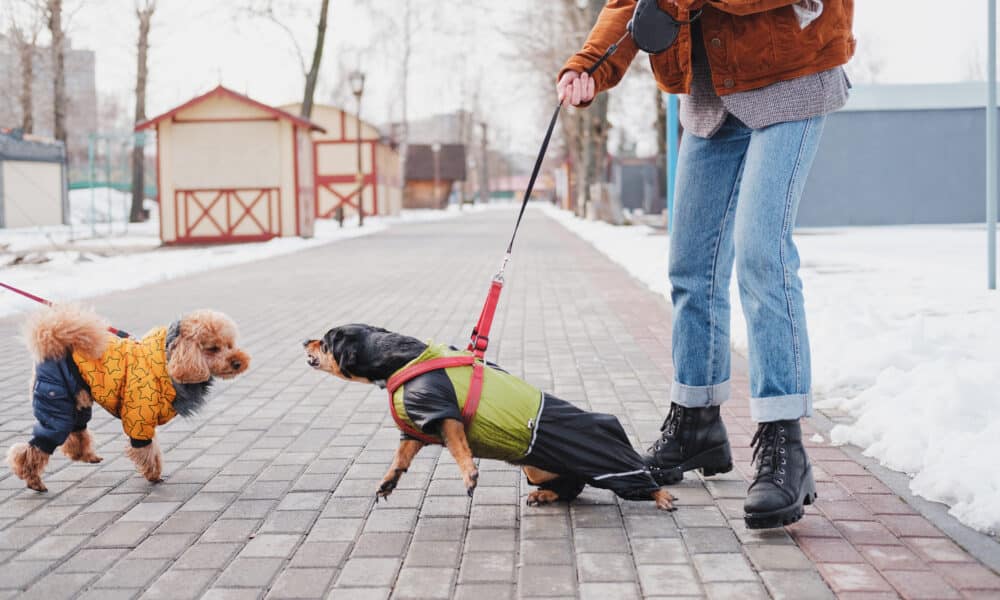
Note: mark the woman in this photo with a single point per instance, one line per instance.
(757, 78)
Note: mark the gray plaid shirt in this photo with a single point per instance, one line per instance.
(703, 112)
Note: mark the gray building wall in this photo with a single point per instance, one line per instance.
(901, 155)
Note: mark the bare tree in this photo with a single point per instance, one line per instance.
(53, 10)
(24, 37)
(144, 10)
(313, 74)
(269, 10)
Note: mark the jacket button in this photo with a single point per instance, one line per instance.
(52, 394)
(716, 42)
(729, 83)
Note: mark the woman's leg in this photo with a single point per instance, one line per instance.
(767, 263)
(701, 264)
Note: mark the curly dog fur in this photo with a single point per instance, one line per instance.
(199, 347)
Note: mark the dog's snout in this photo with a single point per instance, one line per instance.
(236, 364)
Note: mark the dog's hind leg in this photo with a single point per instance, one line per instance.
(453, 432)
(27, 464)
(553, 486)
(407, 450)
(79, 446)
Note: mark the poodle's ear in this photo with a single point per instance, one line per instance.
(187, 362)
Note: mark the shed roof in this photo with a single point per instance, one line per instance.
(226, 92)
(14, 147)
(420, 162)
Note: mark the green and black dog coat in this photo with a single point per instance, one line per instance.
(517, 423)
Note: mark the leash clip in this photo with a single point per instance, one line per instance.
(503, 267)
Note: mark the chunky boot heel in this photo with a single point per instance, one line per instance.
(784, 482)
(692, 439)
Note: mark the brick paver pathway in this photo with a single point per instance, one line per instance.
(269, 491)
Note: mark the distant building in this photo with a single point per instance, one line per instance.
(231, 169)
(901, 154)
(335, 159)
(81, 94)
(33, 183)
(431, 176)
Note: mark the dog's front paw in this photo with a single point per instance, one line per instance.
(471, 480)
(542, 497)
(389, 484)
(93, 459)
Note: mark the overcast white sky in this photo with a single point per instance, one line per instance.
(198, 44)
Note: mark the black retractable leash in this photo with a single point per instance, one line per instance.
(653, 30)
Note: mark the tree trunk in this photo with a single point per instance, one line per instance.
(145, 15)
(313, 75)
(58, 68)
(26, 56)
(595, 122)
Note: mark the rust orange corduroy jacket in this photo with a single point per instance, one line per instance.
(750, 44)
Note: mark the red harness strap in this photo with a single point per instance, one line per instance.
(471, 401)
(481, 332)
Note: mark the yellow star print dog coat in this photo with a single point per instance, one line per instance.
(129, 380)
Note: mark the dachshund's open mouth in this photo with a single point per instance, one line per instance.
(313, 361)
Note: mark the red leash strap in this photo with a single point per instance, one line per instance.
(471, 401)
(40, 300)
(481, 332)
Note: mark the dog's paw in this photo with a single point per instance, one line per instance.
(37, 485)
(542, 497)
(664, 500)
(471, 481)
(94, 459)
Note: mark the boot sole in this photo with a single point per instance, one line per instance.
(784, 516)
(713, 461)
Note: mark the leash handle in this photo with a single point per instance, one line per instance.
(118, 332)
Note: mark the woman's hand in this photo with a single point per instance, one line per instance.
(575, 88)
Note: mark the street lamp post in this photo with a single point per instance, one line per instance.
(436, 148)
(357, 79)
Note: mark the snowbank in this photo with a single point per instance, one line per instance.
(90, 267)
(904, 338)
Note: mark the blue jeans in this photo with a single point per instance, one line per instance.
(737, 196)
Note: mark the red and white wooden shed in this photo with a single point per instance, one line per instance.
(335, 160)
(232, 169)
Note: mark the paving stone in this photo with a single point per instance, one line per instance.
(737, 591)
(605, 567)
(702, 540)
(122, 535)
(723, 567)
(604, 591)
(796, 585)
(600, 540)
(381, 544)
(479, 591)
(424, 582)
(853, 578)
(321, 554)
(166, 545)
(238, 530)
(56, 586)
(132, 573)
(302, 583)
(19, 573)
(368, 572)
(673, 579)
(491, 540)
(486, 567)
(546, 581)
(207, 556)
(772, 558)
(432, 554)
(249, 572)
(653, 551)
(150, 511)
(179, 585)
(546, 552)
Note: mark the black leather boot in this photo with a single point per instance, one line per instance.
(784, 481)
(693, 438)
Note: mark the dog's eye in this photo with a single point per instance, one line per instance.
(323, 348)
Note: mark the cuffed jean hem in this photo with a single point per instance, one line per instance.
(699, 396)
(781, 408)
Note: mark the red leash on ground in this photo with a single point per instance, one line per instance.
(120, 333)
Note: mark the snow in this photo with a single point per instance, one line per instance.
(82, 268)
(904, 340)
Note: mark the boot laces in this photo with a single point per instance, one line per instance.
(669, 427)
(769, 452)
